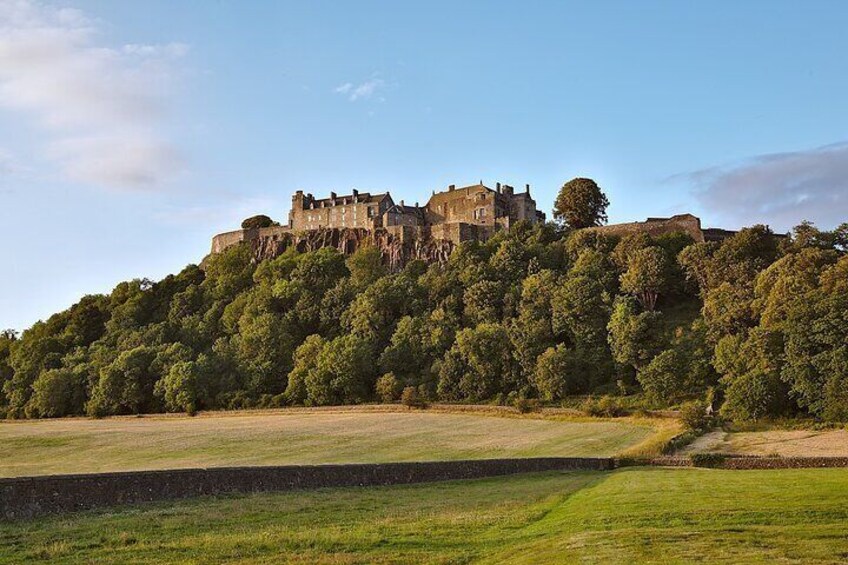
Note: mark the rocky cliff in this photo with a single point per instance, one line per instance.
(398, 244)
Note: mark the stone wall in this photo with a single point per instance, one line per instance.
(736, 462)
(683, 223)
(35, 496)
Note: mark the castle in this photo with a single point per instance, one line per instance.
(455, 213)
(403, 232)
(429, 232)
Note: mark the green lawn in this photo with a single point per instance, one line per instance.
(631, 515)
(299, 437)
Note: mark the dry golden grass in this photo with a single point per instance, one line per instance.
(786, 443)
(362, 435)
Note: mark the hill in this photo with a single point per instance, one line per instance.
(753, 325)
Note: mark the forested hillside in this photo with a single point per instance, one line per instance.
(757, 324)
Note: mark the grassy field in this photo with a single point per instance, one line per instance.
(302, 437)
(786, 443)
(639, 515)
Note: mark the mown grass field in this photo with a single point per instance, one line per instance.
(785, 443)
(302, 437)
(635, 515)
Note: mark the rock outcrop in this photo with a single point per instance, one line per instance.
(397, 245)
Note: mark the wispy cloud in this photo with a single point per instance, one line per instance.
(227, 213)
(7, 163)
(362, 91)
(780, 189)
(102, 109)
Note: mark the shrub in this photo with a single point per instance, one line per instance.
(713, 460)
(411, 399)
(388, 388)
(753, 396)
(605, 407)
(694, 416)
(525, 405)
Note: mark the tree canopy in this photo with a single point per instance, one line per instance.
(581, 204)
(533, 313)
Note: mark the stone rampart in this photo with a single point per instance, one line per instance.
(683, 223)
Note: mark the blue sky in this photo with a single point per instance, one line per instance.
(131, 132)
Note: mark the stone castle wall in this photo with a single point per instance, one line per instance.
(683, 223)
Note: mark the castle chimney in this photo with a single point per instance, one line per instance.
(332, 196)
(527, 189)
(401, 203)
(451, 187)
(355, 195)
(498, 187)
(416, 204)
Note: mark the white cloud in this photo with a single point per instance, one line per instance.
(103, 109)
(779, 189)
(362, 91)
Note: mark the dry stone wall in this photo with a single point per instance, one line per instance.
(36, 496)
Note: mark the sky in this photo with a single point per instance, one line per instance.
(131, 132)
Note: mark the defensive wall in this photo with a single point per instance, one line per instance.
(683, 223)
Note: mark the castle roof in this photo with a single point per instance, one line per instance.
(360, 197)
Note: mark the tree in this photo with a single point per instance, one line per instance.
(634, 337)
(409, 353)
(388, 388)
(628, 247)
(581, 312)
(260, 221)
(57, 393)
(560, 372)
(7, 338)
(366, 266)
(304, 361)
(581, 204)
(816, 337)
(484, 302)
(695, 260)
(343, 373)
(664, 378)
(647, 276)
(125, 386)
(479, 365)
(184, 387)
